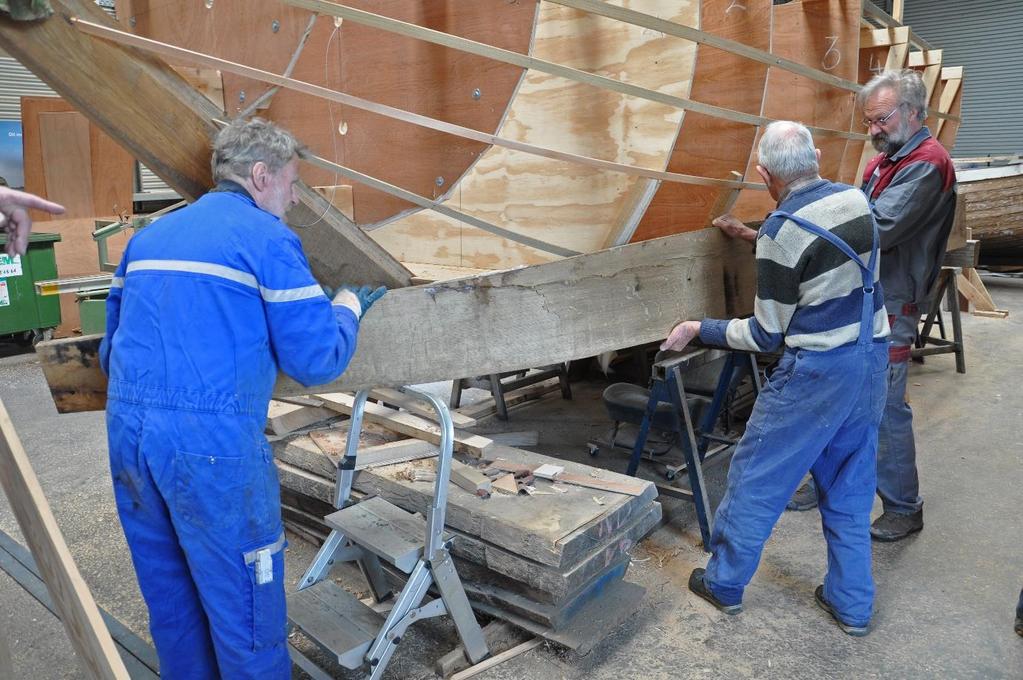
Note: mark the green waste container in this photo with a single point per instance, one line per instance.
(22, 310)
(92, 308)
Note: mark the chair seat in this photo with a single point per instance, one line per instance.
(626, 403)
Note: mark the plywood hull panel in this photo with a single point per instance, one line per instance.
(708, 146)
(557, 201)
(365, 62)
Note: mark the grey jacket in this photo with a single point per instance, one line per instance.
(912, 194)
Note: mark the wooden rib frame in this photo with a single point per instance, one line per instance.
(528, 62)
(166, 50)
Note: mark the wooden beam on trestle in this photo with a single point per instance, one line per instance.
(528, 62)
(165, 123)
(569, 309)
(508, 320)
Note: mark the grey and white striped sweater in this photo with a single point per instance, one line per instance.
(809, 294)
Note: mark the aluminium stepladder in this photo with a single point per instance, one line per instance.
(366, 533)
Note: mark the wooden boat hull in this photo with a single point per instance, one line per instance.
(994, 212)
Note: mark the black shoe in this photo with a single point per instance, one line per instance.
(805, 498)
(1019, 626)
(699, 586)
(892, 526)
(855, 631)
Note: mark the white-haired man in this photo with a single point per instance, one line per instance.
(818, 293)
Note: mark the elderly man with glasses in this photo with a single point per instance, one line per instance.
(912, 192)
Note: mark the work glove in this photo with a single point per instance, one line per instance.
(359, 300)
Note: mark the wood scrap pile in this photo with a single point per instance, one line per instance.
(545, 554)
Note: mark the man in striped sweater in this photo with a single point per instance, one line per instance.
(819, 410)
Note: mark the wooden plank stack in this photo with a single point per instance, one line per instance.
(534, 559)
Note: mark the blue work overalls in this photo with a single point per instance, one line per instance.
(818, 411)
(206, 305)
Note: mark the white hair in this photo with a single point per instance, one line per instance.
(786, 151)
(908, 86)
(243, 143)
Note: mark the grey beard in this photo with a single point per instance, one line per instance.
(889, 143)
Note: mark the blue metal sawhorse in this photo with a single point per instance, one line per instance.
(667, 386)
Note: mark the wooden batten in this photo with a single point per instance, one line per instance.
(94, 648)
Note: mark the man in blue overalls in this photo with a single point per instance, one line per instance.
(205, 307)
(818, 292)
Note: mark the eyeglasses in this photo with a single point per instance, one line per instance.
(880, 122)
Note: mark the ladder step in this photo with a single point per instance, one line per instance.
(384, 529)
(335, 620)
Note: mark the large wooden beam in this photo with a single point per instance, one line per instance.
(522, 318)
(78, 611)
(544, 314)
(149, 109)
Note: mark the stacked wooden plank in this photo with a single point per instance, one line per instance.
(535, 560)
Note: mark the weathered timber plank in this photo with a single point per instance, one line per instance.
(556, 531)
(286, 418)
(497, 567)
(406, 423)
(150, 110)
(418, 407)
(325, 465)
(545, 314)
(554, 615)
(494, 566)
(602, 614)
(71, 368)
(469, 478)
(590, 482)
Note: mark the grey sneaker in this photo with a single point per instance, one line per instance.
(699, 586)
(892, 526)
(805, 498)
(855, 631)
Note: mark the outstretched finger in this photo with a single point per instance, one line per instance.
(24, 199)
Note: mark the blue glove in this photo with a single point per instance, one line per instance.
(361, 298)
(368, 295)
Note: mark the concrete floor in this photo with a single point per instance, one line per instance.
(945, 597)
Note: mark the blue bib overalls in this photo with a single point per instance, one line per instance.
(817, 412)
